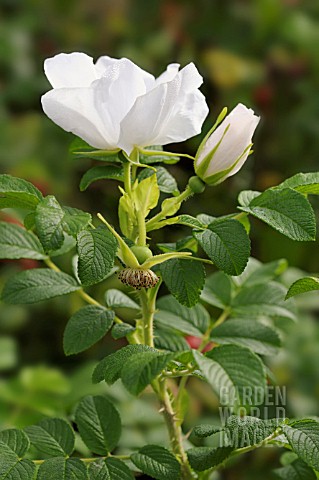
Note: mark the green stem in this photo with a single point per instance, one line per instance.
(206, 337)
(90, 460)
(141, 229)
(127, 178)
(148, 310)
(240, 216)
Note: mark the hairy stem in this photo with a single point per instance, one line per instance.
(148, 310)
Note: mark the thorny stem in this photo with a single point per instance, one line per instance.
(148, 302)
(145, 325)
(174, 429)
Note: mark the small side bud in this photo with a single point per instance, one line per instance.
(196, 184)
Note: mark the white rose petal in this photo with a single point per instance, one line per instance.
(116, 104)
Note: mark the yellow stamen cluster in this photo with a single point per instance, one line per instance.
(138, 278)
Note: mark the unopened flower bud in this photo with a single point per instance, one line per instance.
(225, 151)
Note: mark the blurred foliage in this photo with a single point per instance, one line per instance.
(263, 53)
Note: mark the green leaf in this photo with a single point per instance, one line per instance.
(68, 244)
(97, 251)
(303, 436)
(53, 221)
(109, 369)
(16, 242)
(48, 219)
(246, 431)
(297, 470)
(155, 154)
(254, 335)
(117, 299)
(235, 373)
(99, 424)
(86, 327)
(157, 462)
(257, 272)
(127, 216)
(227, 244)
(18, 193)
(165, 181)
(29, 221)
(52, 436)
(75, 220)
(103, 172)
(60, 468)
(203, 458)
(146, 195)
(306, 183)
(11, 468)
(303, 285)
(143, 368)
(184, 279)
(79, 148)
(287, 211)
(217, 290)
(189, 221)
(173, 315)
(31, 286)
(265, 299)
(98, 470)
(246, 196)
(118, 470)
(109, 469)
(169, 340)
(205, 219)
(205, 430)
(16, 440)
(184, 244)
(121, 330)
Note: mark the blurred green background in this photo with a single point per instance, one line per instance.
(263, 53)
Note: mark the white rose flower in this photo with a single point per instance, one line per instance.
(115, 104)
(225, 151)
